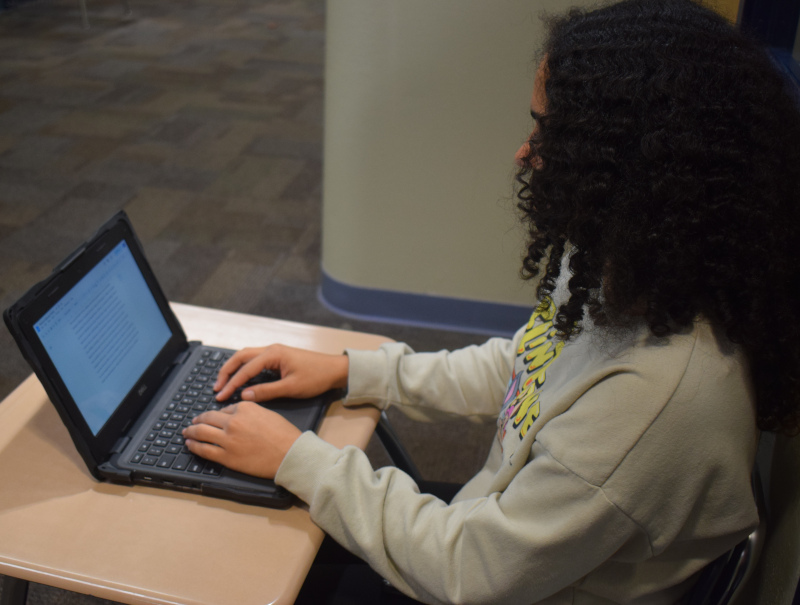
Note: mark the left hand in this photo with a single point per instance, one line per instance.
(244, 437)
(302, 373)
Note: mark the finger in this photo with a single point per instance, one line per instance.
(246, 372)
(205, 450)
(268, 390)
(215, 418)
(205, 433)
(234, 363)
(237, 361)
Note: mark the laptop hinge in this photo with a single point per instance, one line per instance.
(112, 473)
(120, 445)
(180, 358)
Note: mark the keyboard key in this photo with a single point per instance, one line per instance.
(196, 466)
(213, 469)
(182, 463)
(149, 460)
(165, 461)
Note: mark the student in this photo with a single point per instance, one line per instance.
(660, 186)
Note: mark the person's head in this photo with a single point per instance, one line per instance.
(666, 165)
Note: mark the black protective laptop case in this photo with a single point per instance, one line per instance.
(115, 362)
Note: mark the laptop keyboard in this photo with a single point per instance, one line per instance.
(164, 446)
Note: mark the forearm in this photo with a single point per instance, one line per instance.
(469, 382)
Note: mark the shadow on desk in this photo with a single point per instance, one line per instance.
(53, 468)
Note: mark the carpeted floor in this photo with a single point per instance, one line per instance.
(203, 120)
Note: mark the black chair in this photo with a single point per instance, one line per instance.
(722, 581)
(394, 448)
(774, 579)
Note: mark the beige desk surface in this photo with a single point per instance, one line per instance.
(59, 526)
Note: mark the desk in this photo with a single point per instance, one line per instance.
(59, 526)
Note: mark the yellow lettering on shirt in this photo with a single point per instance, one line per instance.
(528, 408)
(534, 331)
(538, 349)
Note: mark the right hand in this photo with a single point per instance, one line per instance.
(303, 373)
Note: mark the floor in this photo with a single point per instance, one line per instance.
(203, 120)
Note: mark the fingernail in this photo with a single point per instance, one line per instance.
(248, 394)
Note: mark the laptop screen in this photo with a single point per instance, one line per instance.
(103, 334)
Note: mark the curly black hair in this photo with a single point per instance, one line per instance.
(666, 168)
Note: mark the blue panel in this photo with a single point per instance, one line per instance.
(421, 310)
(790, 68)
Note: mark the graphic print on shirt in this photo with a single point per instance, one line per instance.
(538, 348)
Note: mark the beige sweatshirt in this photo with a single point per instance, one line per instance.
(620, 467)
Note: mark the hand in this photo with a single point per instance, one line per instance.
(244, 437)
(303, 373)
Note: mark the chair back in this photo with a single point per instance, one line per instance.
(722, 580)
(774, 580)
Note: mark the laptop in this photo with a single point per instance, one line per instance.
(115, 362)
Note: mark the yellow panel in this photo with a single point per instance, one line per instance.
(727, 8)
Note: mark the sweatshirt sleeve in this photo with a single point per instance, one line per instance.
(544, 532)
(467, 382)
